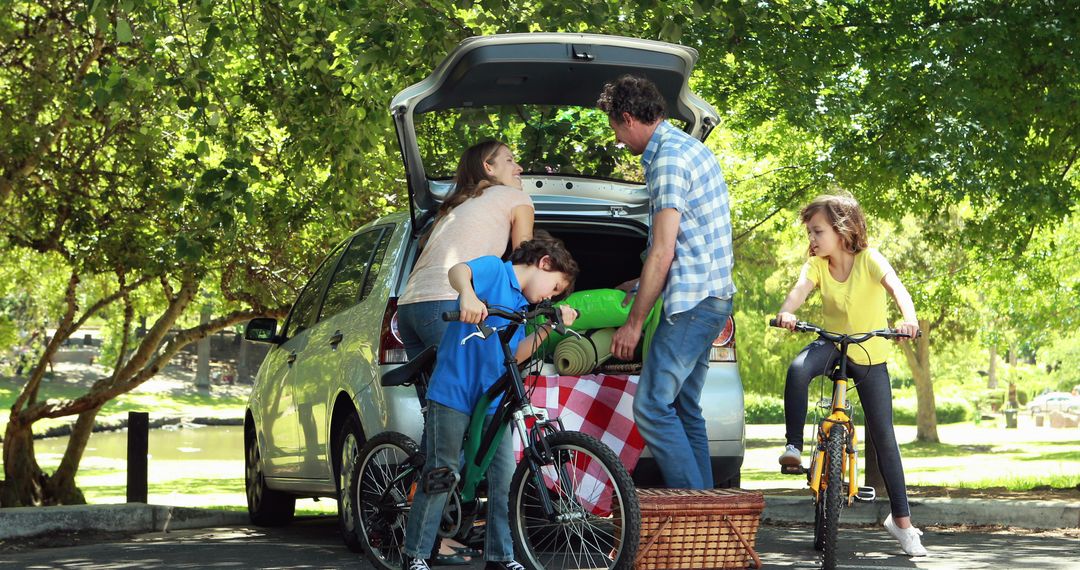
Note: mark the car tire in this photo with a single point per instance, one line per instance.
(266, 506)
(732, 482)
(347, 443)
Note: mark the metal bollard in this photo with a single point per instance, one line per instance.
(137, 449)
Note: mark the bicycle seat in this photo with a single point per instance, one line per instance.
(405, 374)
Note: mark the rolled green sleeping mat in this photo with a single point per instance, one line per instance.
(576, 356)
(602, 308)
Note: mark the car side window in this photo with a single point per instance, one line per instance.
(358, 268)
(376, 264)
(307, 305)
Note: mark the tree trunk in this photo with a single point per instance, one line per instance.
(991, 373)
(917, 353)
(60, 487)
(24, 481)
(202, 370)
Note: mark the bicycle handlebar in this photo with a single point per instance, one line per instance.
(803, 326)
(544, 309)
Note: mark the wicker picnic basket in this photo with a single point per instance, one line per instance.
(683, 528)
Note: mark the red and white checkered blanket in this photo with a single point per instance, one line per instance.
(599, 405)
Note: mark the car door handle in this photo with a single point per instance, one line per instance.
(336, 339)
(291, 358)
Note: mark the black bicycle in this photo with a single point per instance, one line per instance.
(572, 502)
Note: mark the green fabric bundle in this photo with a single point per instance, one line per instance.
(576, 356)
(603, 308)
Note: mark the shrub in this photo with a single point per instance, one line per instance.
(761, 409)
(953, 410)
(949, 410)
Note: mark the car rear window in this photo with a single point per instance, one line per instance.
(546, 139)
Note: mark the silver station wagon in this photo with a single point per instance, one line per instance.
(318, 395)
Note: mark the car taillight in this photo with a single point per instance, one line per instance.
(723, 348)
(391, 349)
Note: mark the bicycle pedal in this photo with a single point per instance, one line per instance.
(792, 470)
(866, 495)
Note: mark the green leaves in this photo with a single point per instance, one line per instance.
(123, 31)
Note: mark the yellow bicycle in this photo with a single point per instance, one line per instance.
(836, 453)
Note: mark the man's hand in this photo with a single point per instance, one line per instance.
(625, 341)
(786, 320)
(630, 288)
(473, 310)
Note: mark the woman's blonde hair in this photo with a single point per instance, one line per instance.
(844, 215)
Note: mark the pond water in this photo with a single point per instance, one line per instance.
(170, 443)
(191, 465)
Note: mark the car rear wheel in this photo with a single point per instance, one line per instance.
(266, 507)
(347, 445)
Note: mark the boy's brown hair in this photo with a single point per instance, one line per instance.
(844, 215)
(544, 244)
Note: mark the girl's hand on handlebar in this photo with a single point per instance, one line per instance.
(911, 329)
(473, 310)
(786, 320)
(568, 313)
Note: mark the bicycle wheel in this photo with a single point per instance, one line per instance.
(834, 492)
(597, 516)
(382, 487)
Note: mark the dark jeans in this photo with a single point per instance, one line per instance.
(875, 392)
(420, 324)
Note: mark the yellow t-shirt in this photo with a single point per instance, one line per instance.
(857, 304)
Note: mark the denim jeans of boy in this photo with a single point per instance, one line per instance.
(667, 405)
(420, 324)
(444, 434)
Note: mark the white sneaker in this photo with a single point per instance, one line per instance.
(416, 564)
(907, 537)
(791, 456)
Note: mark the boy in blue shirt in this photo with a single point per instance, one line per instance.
(539, 269)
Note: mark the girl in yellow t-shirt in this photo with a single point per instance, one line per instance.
(853, 280)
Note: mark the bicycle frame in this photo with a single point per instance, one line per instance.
(838, 415)
(481, 444)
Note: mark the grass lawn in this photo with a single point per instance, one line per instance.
(968, 456)
(203, 467)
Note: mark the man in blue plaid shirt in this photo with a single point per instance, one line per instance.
(689, 261)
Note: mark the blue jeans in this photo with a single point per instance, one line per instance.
(444, 434)
(667, 405)
(420, 324)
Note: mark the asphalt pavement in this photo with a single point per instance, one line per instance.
(314, 543)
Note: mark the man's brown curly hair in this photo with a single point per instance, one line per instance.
(635, 95)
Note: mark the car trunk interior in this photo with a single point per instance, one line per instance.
(608, 253)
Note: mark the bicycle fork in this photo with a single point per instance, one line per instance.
(849, 463)
(536, 454)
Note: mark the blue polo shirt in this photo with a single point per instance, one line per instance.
(464, 372)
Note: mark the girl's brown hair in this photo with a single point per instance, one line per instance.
(844, 215)
(471, 179)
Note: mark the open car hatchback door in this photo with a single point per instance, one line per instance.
(538, 93)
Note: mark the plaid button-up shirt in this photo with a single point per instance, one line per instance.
(683, 174)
